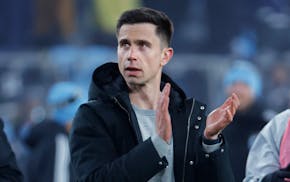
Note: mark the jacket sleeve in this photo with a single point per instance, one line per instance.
(94, 156)
(215, 166)
(9, 171)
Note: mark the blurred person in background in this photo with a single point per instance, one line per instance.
(138, 125)
(54, 23)
(244, 79)
(269, 157)
(9, 171)
(278, 87)
(48, 140)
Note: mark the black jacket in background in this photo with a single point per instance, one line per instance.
(240, 134)
(9, 171)
(41, 142)
(106, 143)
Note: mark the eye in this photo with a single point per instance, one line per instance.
(124, 44)
(143, 44)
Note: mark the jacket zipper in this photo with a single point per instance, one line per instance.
(122, 107)
(187, 134)
(130, 120)
(187, 138)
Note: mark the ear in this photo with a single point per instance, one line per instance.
(167, 54)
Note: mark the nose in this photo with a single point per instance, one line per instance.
(132, 54)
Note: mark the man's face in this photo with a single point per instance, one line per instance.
(140, 54)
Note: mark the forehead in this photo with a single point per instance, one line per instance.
(137, 31)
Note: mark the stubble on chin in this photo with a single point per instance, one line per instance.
(134, 84)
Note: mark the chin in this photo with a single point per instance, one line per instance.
(131, 81)
(134, 82)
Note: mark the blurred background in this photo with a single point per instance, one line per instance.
(43, 42)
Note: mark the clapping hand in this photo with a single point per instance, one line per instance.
(222, 116)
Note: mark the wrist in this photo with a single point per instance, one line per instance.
(210, 137)
(208, 141)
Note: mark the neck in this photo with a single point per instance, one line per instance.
(145, 97)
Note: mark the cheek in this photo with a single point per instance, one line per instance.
(120, 63)
(120, 54)
(155, 59)
(121, 57)
(121, 68)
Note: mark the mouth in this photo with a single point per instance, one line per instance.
(132, 71)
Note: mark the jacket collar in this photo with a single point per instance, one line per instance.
(107, 82)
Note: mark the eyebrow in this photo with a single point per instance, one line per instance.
(138, 42)
(124, 41)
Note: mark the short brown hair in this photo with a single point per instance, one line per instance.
(147, 15)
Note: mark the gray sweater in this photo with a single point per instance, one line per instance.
(146, 121)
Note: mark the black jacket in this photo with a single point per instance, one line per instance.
(240, 135)
(106, 142)
(42, 143)
(9, 171)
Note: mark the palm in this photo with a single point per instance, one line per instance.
(163, 120)
(222, 116)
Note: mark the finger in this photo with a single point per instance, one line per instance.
(230, 115)
(165, 97)
(236, 98)
(166, 90)
(159, 108)
(226, 103)
(236, 101)
(158, 116)
(233, 108)
(234, 104)
(163, 94)
(227, 114)
(164, 105)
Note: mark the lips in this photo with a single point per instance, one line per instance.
(132, 71)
